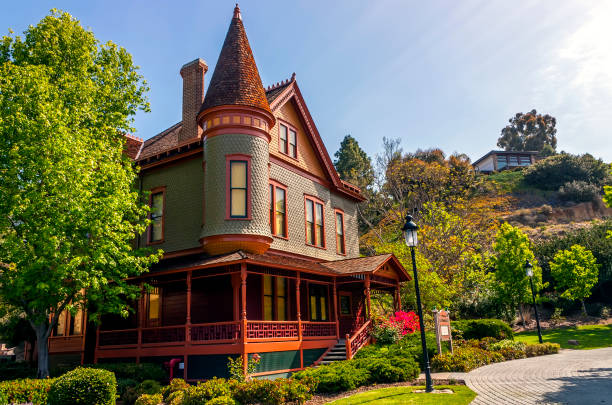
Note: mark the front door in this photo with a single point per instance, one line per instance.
(318, 302)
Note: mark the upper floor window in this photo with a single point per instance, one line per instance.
(315, 228)
(237, 182)
(287, 142)
(278, 210)
(340, 240)
(157, 203)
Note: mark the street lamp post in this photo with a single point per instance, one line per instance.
(410, 236)
(529, 272)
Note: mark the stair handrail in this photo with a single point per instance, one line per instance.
(350, 339)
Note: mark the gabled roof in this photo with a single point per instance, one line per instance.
(162, 142)
(236, 80)
(280, 94)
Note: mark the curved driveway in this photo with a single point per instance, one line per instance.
(571, 377)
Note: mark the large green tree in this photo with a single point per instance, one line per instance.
(353, 164)
(529, 131)
(69, 210)
(575, 272)
(512, 249)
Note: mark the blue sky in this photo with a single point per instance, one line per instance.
(443, 74)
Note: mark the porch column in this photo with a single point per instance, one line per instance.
(236, 296)
(336, 311)
(187, 323)
(141, 317)
(243, 291)
(297, 305)
(367, 294)
(399, 297)
(299, 316)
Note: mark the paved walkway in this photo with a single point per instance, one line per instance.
(571, 377)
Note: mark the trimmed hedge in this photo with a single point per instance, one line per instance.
(25, 390)
(540, 349)
(481, 328)
(465, 359)
(350, 374)
(84, 386)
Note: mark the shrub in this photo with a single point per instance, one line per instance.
(26, 390)
(336, 377)
(507, 344)
(578, 191)
(149, 399)
(84, 386)
(297, 391)
(176, 385)
(16, 370)
(540, 349)
(465, 359)
(386, 332)
(482, 328)
(123, 384)
(205, 391)
(225, 400)
(139, 372)
(149, 387)
(555, 171)
(382, 371)
(260, 392)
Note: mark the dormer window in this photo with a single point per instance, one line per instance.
(157, 203)
(287, 142)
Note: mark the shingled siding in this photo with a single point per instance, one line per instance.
(183, 214)
(297, 187)
(215, 150)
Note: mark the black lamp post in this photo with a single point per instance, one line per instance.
(410, 236)
(529, 272)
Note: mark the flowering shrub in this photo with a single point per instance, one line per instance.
(389, 331)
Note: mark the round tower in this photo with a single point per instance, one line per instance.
(236, 120)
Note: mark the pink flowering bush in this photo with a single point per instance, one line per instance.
(389, 331)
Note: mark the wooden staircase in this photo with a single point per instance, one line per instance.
(336, 353)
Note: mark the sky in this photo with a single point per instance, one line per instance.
(441, 73)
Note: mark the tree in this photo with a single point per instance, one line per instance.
(529, 131)
(575, 272)
(69, 209)
(353, 164)
(512, 249)
(559, 170)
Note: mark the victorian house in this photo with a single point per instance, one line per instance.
(259, 233)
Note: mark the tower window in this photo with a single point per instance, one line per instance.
(237, 186)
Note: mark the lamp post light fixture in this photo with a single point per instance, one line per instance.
(410, 236)
(529, 272)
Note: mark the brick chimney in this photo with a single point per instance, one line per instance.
(193, 96)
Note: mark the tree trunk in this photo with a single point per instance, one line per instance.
(584, 312)
(43, 350)
(520, 309)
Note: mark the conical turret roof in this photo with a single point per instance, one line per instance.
(236, 80)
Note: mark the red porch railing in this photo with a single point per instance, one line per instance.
(59, 344)
(217, 332)
(359, 339)
(118, 337)
(318, 329)
(163, 334)
(272, 330)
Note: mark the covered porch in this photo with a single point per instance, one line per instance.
(241, 303)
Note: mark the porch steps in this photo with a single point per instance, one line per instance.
(337, 353)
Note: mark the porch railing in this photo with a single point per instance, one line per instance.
(217, 332)
(272, 330)
(318, 329)
(58, 344)
(358, 340)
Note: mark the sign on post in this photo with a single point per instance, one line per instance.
(443, 328)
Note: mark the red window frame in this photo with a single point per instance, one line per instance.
(275, 297)
(153, 191)
(314, 201)
(237, 157)
(274, 185)
(337, 212)
(350, 298)
(289, 149)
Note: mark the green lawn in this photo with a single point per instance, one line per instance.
(589, 336)
(404, 395)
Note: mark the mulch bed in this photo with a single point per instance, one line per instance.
(325, 398)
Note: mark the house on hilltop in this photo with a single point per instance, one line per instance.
(259, 233)
(498, 160)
